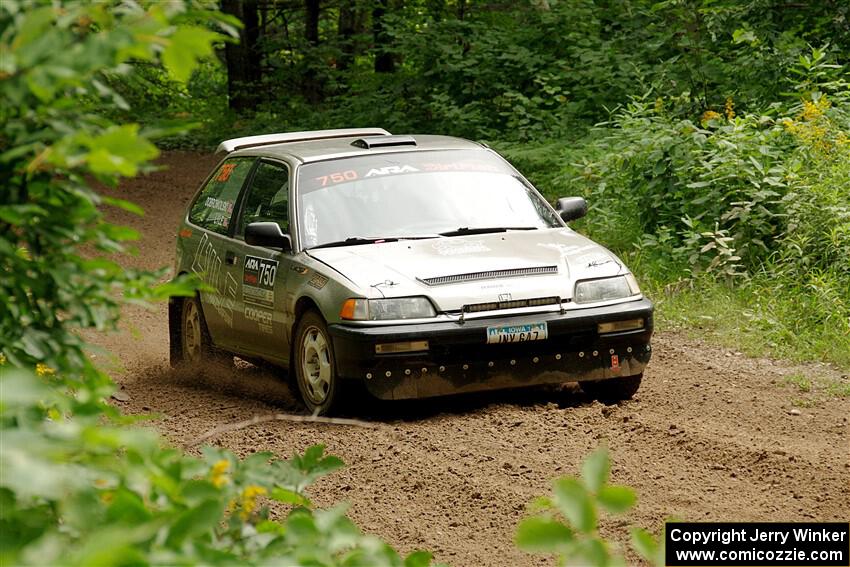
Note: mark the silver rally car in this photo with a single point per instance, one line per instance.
(418, 265)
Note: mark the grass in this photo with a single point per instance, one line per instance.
(755, 320)
(800, 380)
(816, 388)
(839, 389)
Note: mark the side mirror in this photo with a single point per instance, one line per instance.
(267, 234)
(572, 208)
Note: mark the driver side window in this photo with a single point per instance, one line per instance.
(267, 199)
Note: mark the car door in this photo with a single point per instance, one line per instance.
(212, 215)
(260, 319)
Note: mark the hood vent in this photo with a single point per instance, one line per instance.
(384, 142)
(490, 275)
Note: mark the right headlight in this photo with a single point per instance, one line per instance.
(387, 309)
(605, 289)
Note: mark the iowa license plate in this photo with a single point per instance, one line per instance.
(517, 333)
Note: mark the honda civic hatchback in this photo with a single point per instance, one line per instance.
(419, 266)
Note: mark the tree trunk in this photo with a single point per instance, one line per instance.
(243, 58)
(311, 86)
(311, 22)
(345, 30)
(384, 61)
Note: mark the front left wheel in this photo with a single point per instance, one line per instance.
(315, 369)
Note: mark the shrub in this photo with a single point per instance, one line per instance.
(77, 485)
(567, 524)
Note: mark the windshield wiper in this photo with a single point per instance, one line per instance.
(356, 240)
(464, 230)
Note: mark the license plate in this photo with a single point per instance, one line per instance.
(517, 333)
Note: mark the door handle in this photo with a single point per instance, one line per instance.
(230, 258)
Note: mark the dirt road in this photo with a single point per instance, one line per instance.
(710, 436)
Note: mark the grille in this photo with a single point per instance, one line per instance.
(513, 304)
(490, 275)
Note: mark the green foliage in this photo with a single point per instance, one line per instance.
(521, 71)
(755, 202)
(579, 500)
(78, 484)
(67, 498)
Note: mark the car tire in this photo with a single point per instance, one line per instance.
(315, 366)
(196, 346)
(613, 389)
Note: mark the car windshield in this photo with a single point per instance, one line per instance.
(414, 194)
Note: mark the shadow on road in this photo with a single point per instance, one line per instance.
(270, 386)
(363, 406)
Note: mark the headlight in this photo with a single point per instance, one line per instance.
(591, 291)
(386, 309)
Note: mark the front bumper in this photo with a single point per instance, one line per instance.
(460, 360)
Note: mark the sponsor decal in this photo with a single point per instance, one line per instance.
(567, 249)
(391, 170)
(463, 166)
(263, 318)
(207, 264)
(219, 205)
(226, 171)
(455, 247)
(318, 281)
(258, 277)
(338, 177)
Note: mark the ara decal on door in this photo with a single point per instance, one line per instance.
(258, 290)
(207, 264)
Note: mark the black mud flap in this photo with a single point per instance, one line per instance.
(175, 350)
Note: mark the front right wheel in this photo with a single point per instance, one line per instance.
(315, 370)
(613, 389)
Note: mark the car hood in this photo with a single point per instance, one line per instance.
(460, 270)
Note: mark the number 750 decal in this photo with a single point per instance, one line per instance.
(337, 177)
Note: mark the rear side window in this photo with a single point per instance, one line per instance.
(214, 206)
(267, 198)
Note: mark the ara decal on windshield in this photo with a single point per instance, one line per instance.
(258, 278)
(391, 170)
(207, 264)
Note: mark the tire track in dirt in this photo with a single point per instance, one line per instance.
(708, 437)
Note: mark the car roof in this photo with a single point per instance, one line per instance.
(336, 148)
